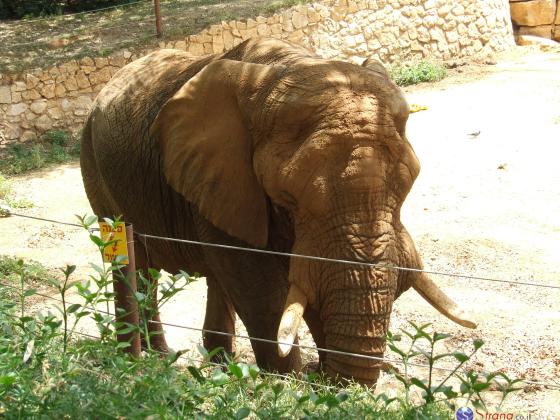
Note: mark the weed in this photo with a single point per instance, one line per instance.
(34, 272)
(5, 188)
(53, 147)
(8, 195)
(405, 74)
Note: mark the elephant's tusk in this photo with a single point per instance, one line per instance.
(291, 318)
(443, 303)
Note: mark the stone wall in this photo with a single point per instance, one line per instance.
(59, 98)
(536, 17)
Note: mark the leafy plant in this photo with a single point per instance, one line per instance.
(54, 147)
(415, 72)
(422, 347)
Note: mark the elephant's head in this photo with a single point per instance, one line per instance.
(324, 141)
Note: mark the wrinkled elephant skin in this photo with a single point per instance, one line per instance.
(271, 147)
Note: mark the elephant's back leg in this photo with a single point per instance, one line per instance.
(101, 201)
(220, 316)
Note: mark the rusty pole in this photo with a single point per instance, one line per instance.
(126, 306)
(157, 10)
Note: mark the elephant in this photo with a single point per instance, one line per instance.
(271, 147)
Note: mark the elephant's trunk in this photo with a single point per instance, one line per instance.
(356, 315)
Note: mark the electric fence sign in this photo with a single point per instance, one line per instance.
(118, 248)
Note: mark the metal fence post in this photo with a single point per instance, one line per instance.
(157, 10)
(126, 306)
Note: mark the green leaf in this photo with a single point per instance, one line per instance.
(478, 343)
(29, 292)
(235, 370)
(461, 357)
(7, 380)
(97, 241)
(440, 336)
(140, 297)
(73, 308)
(303, 399)
(90, 220)
(196, 374)
(219, 378)
(127, 329)
(209, 355)
(277, 388)
(123, 345)
(419, 383)
(242, 413)
(481, 386)
(254, 372)
(342, 396)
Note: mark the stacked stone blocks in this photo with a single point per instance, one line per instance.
(60, 97)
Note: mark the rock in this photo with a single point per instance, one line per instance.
(27, 136)
(32, 81)
(263, 29)
(82, 80)
(535, 40)
(100, 77)
(87, 61)
(179, 45)
(196, 49)
(71, 83)
(43, 123)
(31, 95)
(59, 90)
(5, 95)
(38, 107)
(543, 31)
(533, 12)
(19, 86)
(47, 90)
(299, 20)
(228, 39)
(101, 62)
(17, 109)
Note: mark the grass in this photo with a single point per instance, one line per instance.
(405, 74)
(57, 39)
(54, 147)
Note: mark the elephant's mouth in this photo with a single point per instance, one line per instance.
(365, 370)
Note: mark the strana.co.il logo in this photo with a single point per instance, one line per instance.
(464, 413)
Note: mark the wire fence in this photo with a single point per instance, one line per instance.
(386, 360)
(44, 42)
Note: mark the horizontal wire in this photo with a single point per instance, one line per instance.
(316, 258)
(311, 257)
(11, 213)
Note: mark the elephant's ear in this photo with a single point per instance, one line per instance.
(207, 147)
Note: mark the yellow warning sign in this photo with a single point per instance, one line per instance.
(117, 248)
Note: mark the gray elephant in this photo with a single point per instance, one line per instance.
(266, 146)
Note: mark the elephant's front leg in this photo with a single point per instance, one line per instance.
(220, 316)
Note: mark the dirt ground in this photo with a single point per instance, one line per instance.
(487, 203)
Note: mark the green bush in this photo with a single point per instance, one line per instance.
(405, 74)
